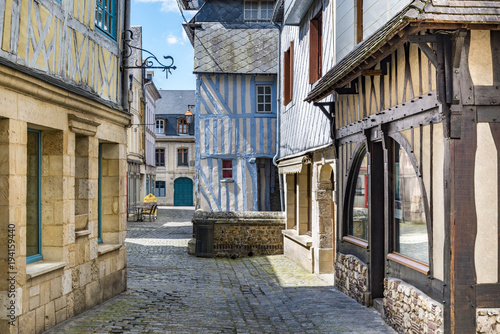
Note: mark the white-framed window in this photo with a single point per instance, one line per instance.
(258, 10)
(160, 126)
(264, 98)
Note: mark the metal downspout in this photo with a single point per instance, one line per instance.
(278, 109)
(126, 26)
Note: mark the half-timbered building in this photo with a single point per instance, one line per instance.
(235, 62)
(306, 154)
(416, 142)
(63, 163)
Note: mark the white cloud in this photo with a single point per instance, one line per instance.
(171, 39)
(166, 5)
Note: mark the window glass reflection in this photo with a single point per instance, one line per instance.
(409, 214)
(358, 227)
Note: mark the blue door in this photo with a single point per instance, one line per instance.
(183, 192)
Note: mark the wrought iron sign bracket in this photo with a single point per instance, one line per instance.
(151, 62)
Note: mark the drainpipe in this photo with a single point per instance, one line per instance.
(278, 102)
(126, 26)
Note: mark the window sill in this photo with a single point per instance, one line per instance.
(410, 263)
(227, 181)
(106, 248)
(303, 240)
(82, 233)
(42, 267)
(356, 241)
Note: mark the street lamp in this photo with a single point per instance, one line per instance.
(189, 116)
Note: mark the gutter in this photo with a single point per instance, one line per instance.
(278, 102)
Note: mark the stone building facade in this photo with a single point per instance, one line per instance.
(62, 160)
(174, 149)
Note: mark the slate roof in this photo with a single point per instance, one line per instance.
(249, 48)
(433, 12)
(175, 101)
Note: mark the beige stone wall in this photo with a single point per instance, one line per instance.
(488, 320)
(409, 310)
(76, 272)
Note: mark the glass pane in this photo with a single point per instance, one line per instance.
(409, 214)
(359, 225)
(260, 107)
(227, 173)
(268, 107)
(268, 90)
(268, 99)
(32, 194)
(227, 164)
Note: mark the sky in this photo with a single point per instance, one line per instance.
(163, 35)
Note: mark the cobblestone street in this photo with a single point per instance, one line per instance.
(170, 291)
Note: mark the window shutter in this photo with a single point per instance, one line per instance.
(313, 50)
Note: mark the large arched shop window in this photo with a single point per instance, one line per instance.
(410, 228)
(357, 197)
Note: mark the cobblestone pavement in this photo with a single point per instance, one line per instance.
(170, 291)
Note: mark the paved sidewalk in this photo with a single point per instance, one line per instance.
(172, 292)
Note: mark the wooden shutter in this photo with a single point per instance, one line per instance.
(313, 50)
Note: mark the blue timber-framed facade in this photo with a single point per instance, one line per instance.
(229, 129)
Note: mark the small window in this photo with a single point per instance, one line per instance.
(410, 227)
(357, 224)
(288, 69)
(264, 99)
(227, 169)
(160, 126)
(258, 10)
(160, 157)
(315, 48)
(160, 189)
(105, 17)
(182, 126)
(33, 200)
(182, 157)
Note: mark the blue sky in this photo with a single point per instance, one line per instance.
(163, 35)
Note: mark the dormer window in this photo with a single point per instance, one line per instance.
(258, 10)
(160, 126)
(182, 126)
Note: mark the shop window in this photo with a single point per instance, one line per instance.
(160, 189)
(33, 200)
(182, 157)
(160, 126)
(160, 157)
(288, 75)
(105, 17)
(182, 126)
(227, 169)
(357, 200)
(258, 10)
(410, 227)
(315, 48)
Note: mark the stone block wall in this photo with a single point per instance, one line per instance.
(488, 320)
(409, 310)
(242, 234)
(72, 270)
(351, 277)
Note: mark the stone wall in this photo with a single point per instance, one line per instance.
(409, 310)
(351, 277)
(79, 259)
(241, 234)
(488, 320)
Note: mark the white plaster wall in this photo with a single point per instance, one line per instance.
(486, 195)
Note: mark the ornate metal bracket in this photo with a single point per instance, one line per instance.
(149, 62)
